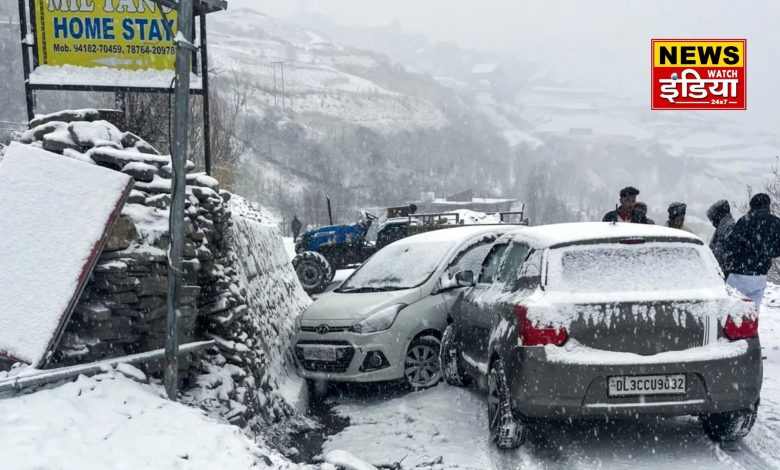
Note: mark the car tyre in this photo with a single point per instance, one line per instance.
(421, 363)
(730, 426)
(449, 358)
(314, 271)
(506, 431)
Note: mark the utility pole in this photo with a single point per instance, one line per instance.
(283, 97)
(274, 64)
(184, 49)
(279, 84)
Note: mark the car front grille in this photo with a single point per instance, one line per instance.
(331, 329)
(339, 365)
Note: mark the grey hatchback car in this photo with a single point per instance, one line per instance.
(604, 320)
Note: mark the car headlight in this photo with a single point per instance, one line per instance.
(380, 321)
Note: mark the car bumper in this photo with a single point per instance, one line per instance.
(544, 389)
(354, 348)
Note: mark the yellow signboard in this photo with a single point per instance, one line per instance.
(125, 34)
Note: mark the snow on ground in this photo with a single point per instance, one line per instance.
(766, 434)
(110, 421)
(446, 427)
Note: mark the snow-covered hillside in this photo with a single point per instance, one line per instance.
(317, 81)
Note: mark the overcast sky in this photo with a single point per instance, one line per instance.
(604, 43)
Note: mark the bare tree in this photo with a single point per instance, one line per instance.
(227, 104)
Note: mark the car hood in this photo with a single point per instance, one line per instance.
(357, 306)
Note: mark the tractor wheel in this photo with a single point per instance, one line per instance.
(314, 271)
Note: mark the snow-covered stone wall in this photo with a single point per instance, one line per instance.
(239, 287)
(249, 369)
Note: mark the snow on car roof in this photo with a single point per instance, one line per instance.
(455, 234)
(559, 234)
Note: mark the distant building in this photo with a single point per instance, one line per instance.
(466, 200)
(487, 76)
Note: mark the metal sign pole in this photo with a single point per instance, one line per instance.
(28, 93)
(184, 50)
(204, 75)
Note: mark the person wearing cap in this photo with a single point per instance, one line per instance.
(677, 215)
(625, 211)
(640, 208)
(720, 215)
(750, 247)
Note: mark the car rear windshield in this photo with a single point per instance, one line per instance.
(398, 266)
(631, 268)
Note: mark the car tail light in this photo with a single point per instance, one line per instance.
(748, 328)
(531, 335)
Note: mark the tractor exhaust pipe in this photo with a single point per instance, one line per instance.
(330, 212)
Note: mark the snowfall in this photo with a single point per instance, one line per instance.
(121, 419)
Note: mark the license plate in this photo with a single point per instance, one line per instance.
(622, 386)
(319, 353)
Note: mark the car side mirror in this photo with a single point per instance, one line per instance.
(465, 278)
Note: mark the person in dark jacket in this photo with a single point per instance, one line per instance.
(720, 216)
(750, 247)
(677, 212)
(640, 208)
(295, 226)
(625, 211)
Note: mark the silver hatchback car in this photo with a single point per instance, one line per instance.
(604, 320)
(385, 321)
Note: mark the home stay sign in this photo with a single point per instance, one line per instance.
(124, 34)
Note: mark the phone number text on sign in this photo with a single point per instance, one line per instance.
(699, 74)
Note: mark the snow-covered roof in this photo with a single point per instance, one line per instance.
(558, 234)
(56, 212)
(484, 68)
(477, 200)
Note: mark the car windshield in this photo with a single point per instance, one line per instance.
(631, 268)
(397, 266)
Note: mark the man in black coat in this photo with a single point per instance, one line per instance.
(295, 226)
(750, 247)
(625, 211)
(720, 216)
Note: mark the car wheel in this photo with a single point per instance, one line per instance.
(313, 270)
(449, 358)
(506, 431)
(421, 364)
(729, 426)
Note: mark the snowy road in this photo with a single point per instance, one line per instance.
(446, 427)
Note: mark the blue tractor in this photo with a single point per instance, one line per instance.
(323, 251)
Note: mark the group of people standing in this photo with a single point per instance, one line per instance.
(744, 248)
(633, 211)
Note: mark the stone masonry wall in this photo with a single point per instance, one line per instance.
(239, 288)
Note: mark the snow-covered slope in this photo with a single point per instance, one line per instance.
(319, 78)
(111, 421)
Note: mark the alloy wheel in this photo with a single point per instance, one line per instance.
(421, 367)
